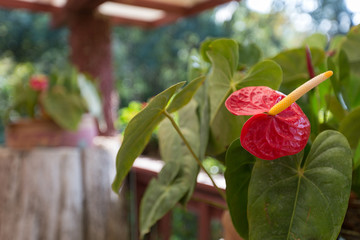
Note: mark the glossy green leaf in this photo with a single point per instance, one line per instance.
(138, 132)
(350, 127)
(239, 165)
(185, 95)
(316, 40)
(289, 199)
(65, 108)
(293, 64)
(177, 179)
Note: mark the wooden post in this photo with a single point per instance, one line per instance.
(90, 41)
(59, 193)
(204, 222)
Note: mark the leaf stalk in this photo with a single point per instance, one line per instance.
(221, 192)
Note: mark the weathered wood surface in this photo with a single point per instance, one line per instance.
(59, 193)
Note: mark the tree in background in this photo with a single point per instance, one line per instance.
(28, 37)
(147, 61)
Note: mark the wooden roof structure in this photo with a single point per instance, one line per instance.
(90, 23)
(143, 13)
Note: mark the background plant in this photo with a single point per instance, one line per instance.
(65, 97)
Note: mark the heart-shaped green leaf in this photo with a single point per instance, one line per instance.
(265, 73)
(239, 165)
(160, 196)
(289, 199)
(138, 132)
(177, 179)
(224, 56)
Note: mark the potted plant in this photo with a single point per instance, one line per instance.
(285, 179)
(57, 109)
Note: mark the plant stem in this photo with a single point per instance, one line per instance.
(211, 203)
(309, 64)
(221, 192)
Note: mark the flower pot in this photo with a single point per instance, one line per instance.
(29, 133)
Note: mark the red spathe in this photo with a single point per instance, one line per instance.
(265, 136)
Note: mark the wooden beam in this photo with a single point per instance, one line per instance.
(154, 5)
(83, 5)
(173, 12)
(206, 5)
(32, 6)
(169, 18)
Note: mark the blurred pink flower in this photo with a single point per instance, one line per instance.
(39, 82)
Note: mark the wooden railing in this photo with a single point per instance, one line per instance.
(206, 202)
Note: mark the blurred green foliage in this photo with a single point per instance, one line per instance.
(28, 37)
(147, 61)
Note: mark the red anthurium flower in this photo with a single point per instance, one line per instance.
(38, 82)
(279, 127)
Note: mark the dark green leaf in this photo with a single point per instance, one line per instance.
(138, 132)
(239, 165)
(288, 201)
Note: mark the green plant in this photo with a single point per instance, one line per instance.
(127, 113)
(300, 196)
(63, 96)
